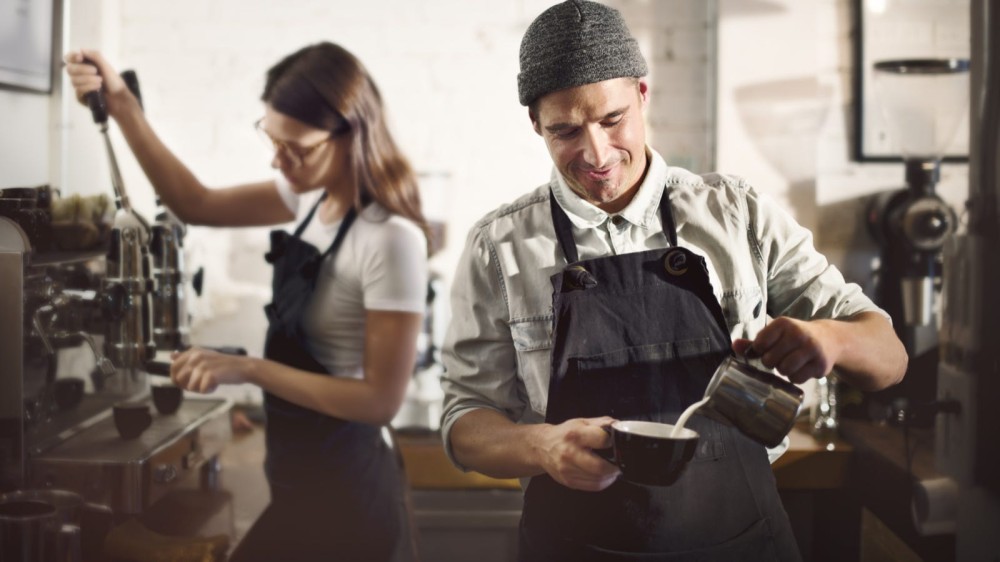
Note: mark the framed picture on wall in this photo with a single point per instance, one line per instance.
(908, 36)
(26, 28)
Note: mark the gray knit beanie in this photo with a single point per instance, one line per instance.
(575, 43)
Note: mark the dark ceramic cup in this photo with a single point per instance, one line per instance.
(166, 397)
(26, 528)
(68, 392)
(646, 453)
(132, 418)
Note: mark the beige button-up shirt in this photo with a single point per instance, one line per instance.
(497, 353)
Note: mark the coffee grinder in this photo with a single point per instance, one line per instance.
(923, 101)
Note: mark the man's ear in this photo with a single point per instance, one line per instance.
(534, 122)
(643, 91)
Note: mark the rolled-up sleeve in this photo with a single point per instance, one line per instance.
(479, 355)
(801, 283)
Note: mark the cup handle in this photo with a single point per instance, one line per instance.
(607, 454)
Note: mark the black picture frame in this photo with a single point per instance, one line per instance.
(866, 120)
(28, 57)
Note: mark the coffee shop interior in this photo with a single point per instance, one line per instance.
(874, 123)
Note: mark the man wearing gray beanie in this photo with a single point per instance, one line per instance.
(600, 305)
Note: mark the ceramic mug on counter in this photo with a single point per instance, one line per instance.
(647, 453)
(41, 525)
(167, 397)
(25, 530)
(132, 418)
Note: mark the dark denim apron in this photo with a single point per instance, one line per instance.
(637, 337)
(335, 486)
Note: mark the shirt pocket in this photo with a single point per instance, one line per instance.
(532, 334)
(532, 338)
(744, 310)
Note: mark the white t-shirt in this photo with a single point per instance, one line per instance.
(381, 265)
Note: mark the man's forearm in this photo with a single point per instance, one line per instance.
(487, 442)
(871, 356)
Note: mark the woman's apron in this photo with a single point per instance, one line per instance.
(637, 337)
(336, 488)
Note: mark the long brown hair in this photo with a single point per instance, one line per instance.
(327, 87)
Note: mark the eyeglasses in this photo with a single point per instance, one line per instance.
(296, 155)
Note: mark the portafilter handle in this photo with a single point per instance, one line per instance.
(162, 368)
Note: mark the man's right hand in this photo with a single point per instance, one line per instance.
(568, 454)
(89, 72)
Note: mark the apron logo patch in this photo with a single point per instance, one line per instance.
(579, 278)
(675, 262)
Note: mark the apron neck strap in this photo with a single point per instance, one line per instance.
(309, 216)
(564, 228)
(345, 224)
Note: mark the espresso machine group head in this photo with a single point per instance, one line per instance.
(166, 246)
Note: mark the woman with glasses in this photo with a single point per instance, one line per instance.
(349, 292)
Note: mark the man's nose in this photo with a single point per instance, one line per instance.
(596, 147)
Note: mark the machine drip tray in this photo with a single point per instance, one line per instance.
(130, 474)
(100, 443)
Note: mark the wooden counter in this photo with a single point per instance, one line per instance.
(813, 464)
(428, 467)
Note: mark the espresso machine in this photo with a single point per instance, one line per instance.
(123, 300)
(923, 100)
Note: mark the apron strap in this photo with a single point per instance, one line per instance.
(305, 222)
(345, 224)
(667, 218)
(564, 228)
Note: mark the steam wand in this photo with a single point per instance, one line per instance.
(103, 363)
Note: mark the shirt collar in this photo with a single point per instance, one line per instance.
(640, 211)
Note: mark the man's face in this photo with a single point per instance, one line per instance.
(597, 138)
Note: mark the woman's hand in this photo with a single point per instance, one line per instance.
(202, 370)
(89, 72)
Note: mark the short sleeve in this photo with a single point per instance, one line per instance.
(394, 267)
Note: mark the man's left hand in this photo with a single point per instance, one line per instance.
(799, 350)
(202, 370)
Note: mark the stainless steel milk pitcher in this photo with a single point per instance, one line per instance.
(761, 405)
